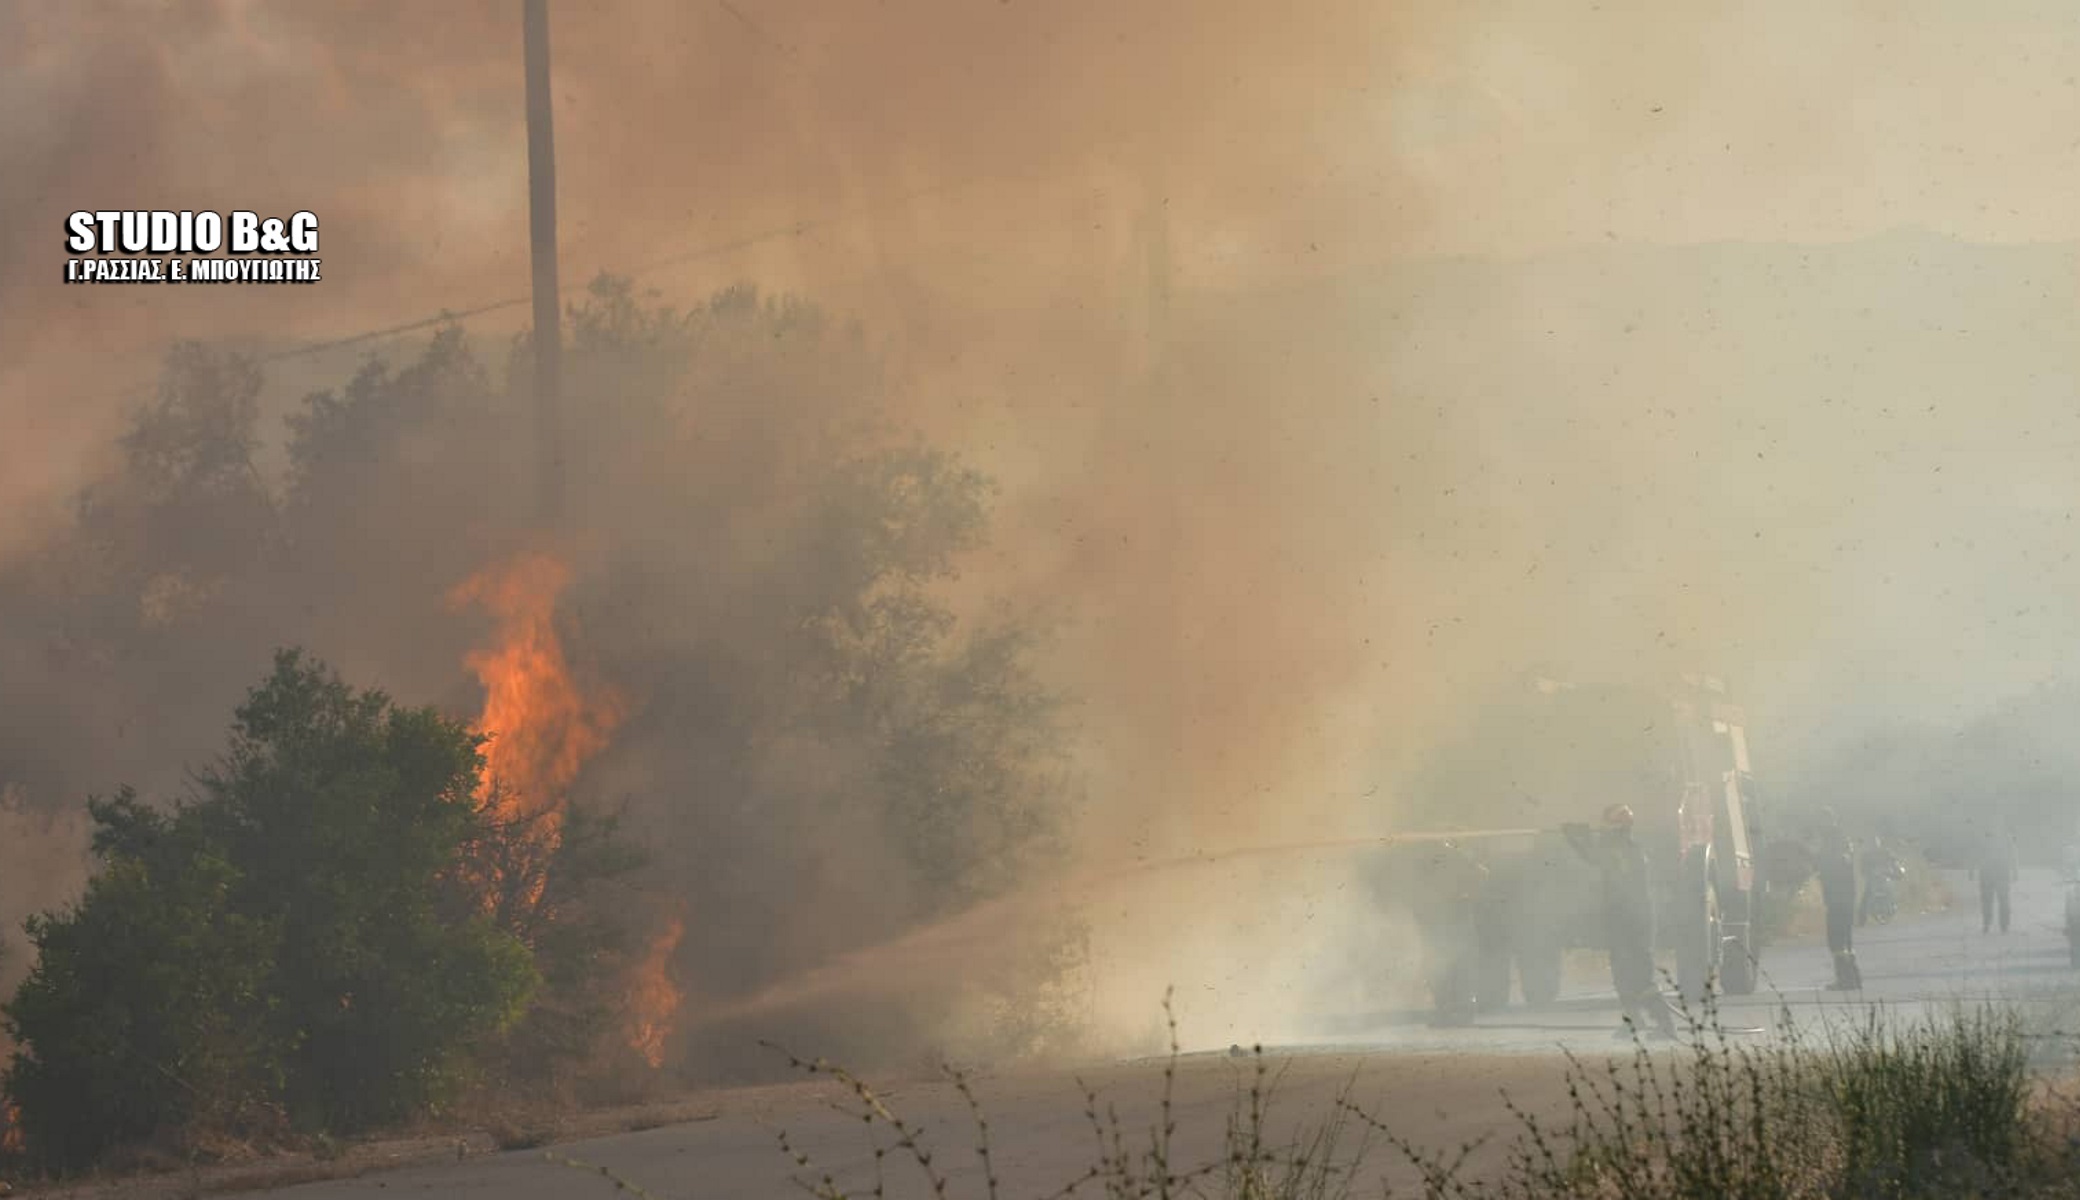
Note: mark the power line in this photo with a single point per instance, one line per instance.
(375, 335)
(692, 255)
(683, 258)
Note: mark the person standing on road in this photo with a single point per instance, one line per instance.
(1628, 917)
(1996, 871)
(1452, 891)
(1836, 866)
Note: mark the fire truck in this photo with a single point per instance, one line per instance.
(1678, 757)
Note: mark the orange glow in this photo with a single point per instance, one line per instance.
(654, 998)
(10, 1128)
(543, 729)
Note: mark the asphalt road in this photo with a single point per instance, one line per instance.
(1919, 964)
(1438, 1087)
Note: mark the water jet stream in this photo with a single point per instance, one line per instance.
(966, 938)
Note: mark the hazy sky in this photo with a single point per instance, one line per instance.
(1540, 124)
(1330, 133)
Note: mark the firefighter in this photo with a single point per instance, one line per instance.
(1454, 889)
(1835, 862)
(1996, 873)
(1628, 918)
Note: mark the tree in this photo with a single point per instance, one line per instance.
(347, 817)
(571, 907)
(141, 1010)
(822, 746)
(190, 511)
(294, 938)
(849, 757)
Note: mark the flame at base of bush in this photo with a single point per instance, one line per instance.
(653, 997)
(543, 728)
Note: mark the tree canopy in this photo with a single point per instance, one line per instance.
(293, 943)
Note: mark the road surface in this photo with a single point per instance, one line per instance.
(1439, 1087)
(1919, 964)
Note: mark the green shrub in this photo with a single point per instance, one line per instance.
(1936, 1107)
(293, 943)
(1944, 1101)
(140, 1010)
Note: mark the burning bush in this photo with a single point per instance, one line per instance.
(742, 631)
(291, 946)
(741, 637)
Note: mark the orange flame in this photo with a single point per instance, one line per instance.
(542, 728)
(654, 998)
(10, 1127)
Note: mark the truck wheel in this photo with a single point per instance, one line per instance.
(1695, 960)
(1736, 968)
(1538, 973)
(1697, 946)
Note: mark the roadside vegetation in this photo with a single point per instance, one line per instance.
(1941, 1106)
(298, 946)
(336, 929)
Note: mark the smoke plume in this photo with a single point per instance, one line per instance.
(1337, 364)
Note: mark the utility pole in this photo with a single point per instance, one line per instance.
(541, 207)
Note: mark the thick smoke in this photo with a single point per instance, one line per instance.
(1337, 364)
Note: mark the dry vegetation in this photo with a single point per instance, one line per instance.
(1941, 1106)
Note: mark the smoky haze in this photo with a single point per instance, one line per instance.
(1337, 365)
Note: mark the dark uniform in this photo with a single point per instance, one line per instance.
(1454, 886)
(1628, 916)
(1836, 866)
